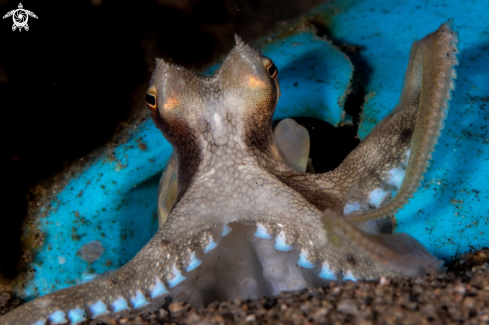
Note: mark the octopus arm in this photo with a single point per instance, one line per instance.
(396, 154)
(137, 284)
(394, 254)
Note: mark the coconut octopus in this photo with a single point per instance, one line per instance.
(239, 217)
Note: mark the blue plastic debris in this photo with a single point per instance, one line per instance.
(314, 78)
(113, 200)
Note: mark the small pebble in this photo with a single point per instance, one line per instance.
(250, 318)
(163, 313)
(348, 307)
(178, 307)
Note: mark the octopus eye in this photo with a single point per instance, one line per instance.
(271, 68)
(151, 98)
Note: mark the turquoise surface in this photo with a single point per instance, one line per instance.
(314, 78)
(114, 199)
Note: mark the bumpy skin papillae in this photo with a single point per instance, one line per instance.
(293, 144)
(394, 156)
(220, 127)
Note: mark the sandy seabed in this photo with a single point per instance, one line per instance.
(459, 296)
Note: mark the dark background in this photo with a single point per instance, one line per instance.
(69, 81)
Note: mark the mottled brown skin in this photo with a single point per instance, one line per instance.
(231, 172)
(293, 145)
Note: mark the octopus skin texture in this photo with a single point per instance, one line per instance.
(241, 219)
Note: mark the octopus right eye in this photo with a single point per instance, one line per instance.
(272, 70)
(270, 66)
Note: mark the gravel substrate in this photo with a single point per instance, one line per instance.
(459, 296)
(451, 298)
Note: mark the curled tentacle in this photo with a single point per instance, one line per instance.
(429, 81)
(396, 153)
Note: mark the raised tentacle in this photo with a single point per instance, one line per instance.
(396, 153)
(429, 82)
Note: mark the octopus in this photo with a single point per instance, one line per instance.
(240, 217)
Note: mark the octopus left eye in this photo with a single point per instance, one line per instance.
(151, 98)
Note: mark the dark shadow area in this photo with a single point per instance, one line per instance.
(329, 145)
(67, 83)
